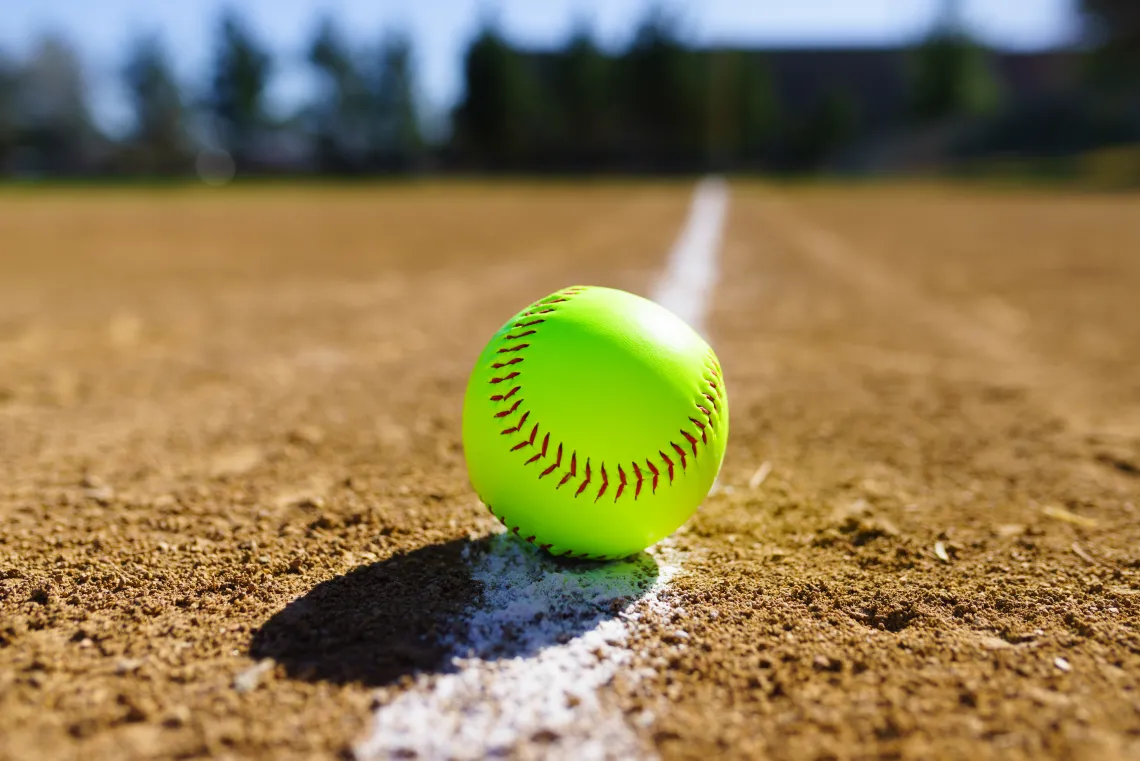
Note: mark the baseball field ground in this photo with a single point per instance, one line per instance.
(235, 519)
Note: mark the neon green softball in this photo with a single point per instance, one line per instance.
(595, 423)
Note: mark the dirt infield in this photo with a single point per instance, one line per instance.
(925, 542)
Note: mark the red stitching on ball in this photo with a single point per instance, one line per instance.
(506, 396)
(509, 349)
(665, 457)
(506, 377)
(557, 464)
(540, 455)
(621, 486)
(524, 334)
(704, 432)
(692, 440)
(517, 428)
(510, 411)
(508, 363)
(585, 483)
(573, 470)
(605, 483)
(640, 481)
(656, 474)
(529, 442)
(680, 453)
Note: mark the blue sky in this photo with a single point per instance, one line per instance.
(440, 29)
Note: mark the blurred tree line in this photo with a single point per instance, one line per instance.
(658, 105)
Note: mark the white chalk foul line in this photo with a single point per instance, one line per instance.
(529, 667)
(690, 275)
(532, 658)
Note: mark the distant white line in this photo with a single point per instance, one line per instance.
(691, 273)
(533, 657)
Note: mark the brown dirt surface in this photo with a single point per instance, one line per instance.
(925, 542)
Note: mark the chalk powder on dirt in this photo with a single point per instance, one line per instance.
(532, 657)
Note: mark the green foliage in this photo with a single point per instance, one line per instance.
(1113, 27)
(241, 73)
(583, 83)
(663, 95)
(53, 123)
(1114, 21)
(365, 117)
(396, 137)
(500, 118)
(952, 78)
(331, 56)
(741, 111)
(9, 113)
(341, 118)
(658, 105)
(818, 136)
(834, 123)
(159, 140)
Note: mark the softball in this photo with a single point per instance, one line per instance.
(594, 423)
